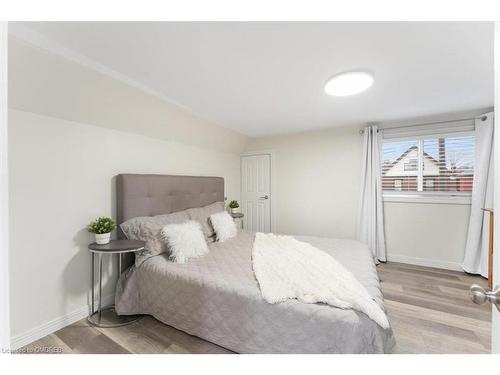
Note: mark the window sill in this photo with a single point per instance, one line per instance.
(428, 199)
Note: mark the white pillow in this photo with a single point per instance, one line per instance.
(184, 241)
(224, 226)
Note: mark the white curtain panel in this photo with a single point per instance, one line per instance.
(371, 211)
(476, 248)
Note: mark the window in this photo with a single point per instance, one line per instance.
(443, 164)
(398, 185)
(411, 165)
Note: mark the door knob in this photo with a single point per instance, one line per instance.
(265, 197)
(480, 295)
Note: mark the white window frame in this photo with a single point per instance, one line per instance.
(436, 197)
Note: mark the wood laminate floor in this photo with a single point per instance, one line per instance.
(429, 309)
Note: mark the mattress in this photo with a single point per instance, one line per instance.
(217, 298)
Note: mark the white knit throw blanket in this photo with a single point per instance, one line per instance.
(287, 268)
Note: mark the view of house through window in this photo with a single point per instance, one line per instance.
(444, 164)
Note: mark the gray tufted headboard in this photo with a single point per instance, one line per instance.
(150, 194)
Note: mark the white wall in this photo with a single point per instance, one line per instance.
(71, 130)
(4, 197)
(43, 82)
(317, 179)
(427, 234)
(61, 176)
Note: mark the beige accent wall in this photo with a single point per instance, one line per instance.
(317, 177)
(71, 130)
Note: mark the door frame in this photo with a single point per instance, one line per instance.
(272, 186)
(495, 315)
(4, 196)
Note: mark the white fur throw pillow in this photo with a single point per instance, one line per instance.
(185, 241)
(224, 226)
(148, 228)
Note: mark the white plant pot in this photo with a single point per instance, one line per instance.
(234, 210)
(102, 239)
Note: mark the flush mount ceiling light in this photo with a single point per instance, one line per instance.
(350, 83)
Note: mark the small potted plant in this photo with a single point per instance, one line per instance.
(102, 228)
(233, 205)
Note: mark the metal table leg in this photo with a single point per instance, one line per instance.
(100, 288)
(92, 283)
(106, 317)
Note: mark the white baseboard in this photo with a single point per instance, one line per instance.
(424, 262)
(45, 329)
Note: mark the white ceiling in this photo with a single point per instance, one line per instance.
(268, 78)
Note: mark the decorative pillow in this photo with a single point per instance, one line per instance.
(184, 241)
(224, 226)
(148, 228)
(202, 215)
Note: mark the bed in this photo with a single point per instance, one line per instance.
(217, 298)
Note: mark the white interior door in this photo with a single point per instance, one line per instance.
(495, 325)
(495, 321)
(495, 316)
(256, 192)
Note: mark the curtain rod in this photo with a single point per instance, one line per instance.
(482, 117)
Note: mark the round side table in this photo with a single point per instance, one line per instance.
(238, 215)
(106, 317)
